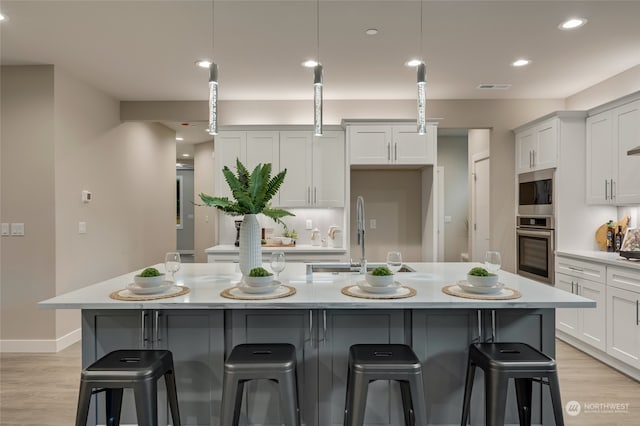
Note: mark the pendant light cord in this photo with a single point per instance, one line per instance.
(318, 31)
(213, 32)
(421, 23)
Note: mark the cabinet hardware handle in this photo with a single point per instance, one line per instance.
(143, 326)
(606, 189)
(389, 151)
(493, 325)
(324, 325)
(395, 149)
(637, 318)
(156, 328)
(308, 195)
(613, 190)
(311, 326)
(315, 195)
(575, 269)
(572, 287)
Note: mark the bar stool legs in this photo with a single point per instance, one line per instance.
(500, 362)
(135, 369)
(247, 362)
(368, 363)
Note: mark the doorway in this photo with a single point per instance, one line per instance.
(480, 209)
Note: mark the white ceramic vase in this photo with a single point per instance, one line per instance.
(250, 247)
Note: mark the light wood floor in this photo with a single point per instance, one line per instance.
(42, 389)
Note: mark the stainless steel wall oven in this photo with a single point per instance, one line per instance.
(535, 247)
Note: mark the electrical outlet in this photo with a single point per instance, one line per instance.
(308, 224)
(372, 224)
(5, 229)
(17, 229)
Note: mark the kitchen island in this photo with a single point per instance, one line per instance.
(201, 327)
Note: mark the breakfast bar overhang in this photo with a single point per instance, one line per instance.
(201, 327)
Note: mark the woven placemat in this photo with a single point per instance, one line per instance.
(126, 294)
(401, 293)
(236, 293)
(505, 294)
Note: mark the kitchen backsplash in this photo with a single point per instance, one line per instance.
(632, 211)
(320, 218)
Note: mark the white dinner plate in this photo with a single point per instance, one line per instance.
(258, 290)
(136, 289)
(478, 289)
(365, 286)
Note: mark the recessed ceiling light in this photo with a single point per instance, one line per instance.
(413, 63)
(372, 31)
(310, 63)
(179, 138)
(185, 155)
(572, 23)
(521, 62)
(203, 63)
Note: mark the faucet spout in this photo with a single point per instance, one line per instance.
(360, 222)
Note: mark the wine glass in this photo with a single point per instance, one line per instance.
(278, 263)
(172, 263)
(394, 261)
(492, 261)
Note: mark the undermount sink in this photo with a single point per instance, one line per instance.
(337, 268)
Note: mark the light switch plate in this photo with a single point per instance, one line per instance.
(308, 224)
(373, 224)
(17, 229)
(82, 227)
(5, 229)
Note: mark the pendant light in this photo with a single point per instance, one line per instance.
(422, 86)
(317, 80)
(213, 84)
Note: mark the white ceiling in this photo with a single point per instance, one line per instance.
(145, 49)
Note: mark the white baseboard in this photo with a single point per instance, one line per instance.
(41, 346)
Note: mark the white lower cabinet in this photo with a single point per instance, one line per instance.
(623, 315)
(586, 324)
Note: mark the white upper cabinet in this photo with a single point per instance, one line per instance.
(612, 175)
(315, 169)
(537, 147)
(389, 145)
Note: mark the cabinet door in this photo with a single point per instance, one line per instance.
(228, 146)
(626, 130)
(599, 158)
(369, 145)
(567, 318)
(261, 404)
(106, 331)
(329, 170)
(196, 340)
(525, 144)
(441, 339)
(546, 151)
(592, 321)
(296, 155)
(623, 337)
(338, 330)
(408, 147)
(261, 148)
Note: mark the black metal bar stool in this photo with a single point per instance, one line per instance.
(246, 362)
(500, 362)
(370, 362)
(137, 369)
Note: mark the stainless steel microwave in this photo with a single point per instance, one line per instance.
(535, 193)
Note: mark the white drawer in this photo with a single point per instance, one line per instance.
(626, 279)
(581, 269)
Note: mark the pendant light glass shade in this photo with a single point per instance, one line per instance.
(317, 100)
(422, 99)
(213, 99)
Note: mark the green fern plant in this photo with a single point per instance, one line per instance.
(251, 192)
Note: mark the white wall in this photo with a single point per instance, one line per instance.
(185, 235)
(611, 89)
(66, 136)
(205, 218)
(452, 155)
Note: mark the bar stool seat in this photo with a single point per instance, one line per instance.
(502, 361)
(138, 369)
(370, 362)
(246, 362)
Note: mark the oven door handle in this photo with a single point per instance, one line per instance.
(546, 233)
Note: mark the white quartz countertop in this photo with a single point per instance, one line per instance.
(231, 249)
(207, 280)
(608, 258)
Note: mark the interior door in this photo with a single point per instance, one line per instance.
(480, 207)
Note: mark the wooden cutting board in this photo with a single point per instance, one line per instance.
(601, 233)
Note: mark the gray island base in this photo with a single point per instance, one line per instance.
(200, 328)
